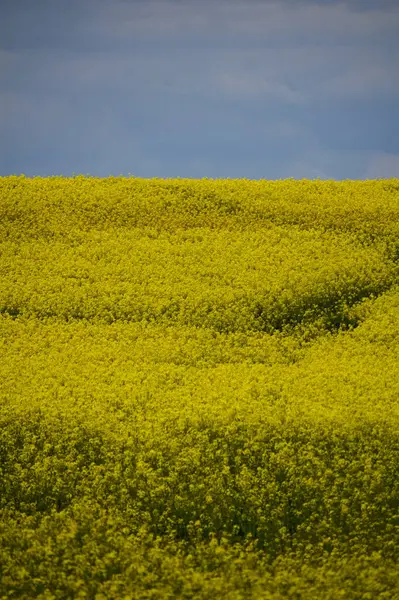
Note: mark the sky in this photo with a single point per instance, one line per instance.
(253, 89)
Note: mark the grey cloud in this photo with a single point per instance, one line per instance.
(296, 76)
(375, 79)
(225, 88)
(243, 19)
(303, 49)
(244, 85)
(383, 165)
(115, 24)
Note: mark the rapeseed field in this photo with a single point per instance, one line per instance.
(199, 389)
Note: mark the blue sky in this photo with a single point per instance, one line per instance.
(253, 89)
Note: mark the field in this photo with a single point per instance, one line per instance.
(199, 389)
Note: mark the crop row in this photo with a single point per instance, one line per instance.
(260, 280)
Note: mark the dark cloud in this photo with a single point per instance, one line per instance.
(105, 25)
(227, 88)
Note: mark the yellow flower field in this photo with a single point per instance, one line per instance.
(199, 389)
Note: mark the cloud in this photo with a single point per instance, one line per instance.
(233, 87)
(252, 21)
(117, 24)
(246, 85)
(383, 166)
(374, 77)
(292, 52)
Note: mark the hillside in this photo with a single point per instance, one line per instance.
(199, 389)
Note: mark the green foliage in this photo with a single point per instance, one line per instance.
(199, 389)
